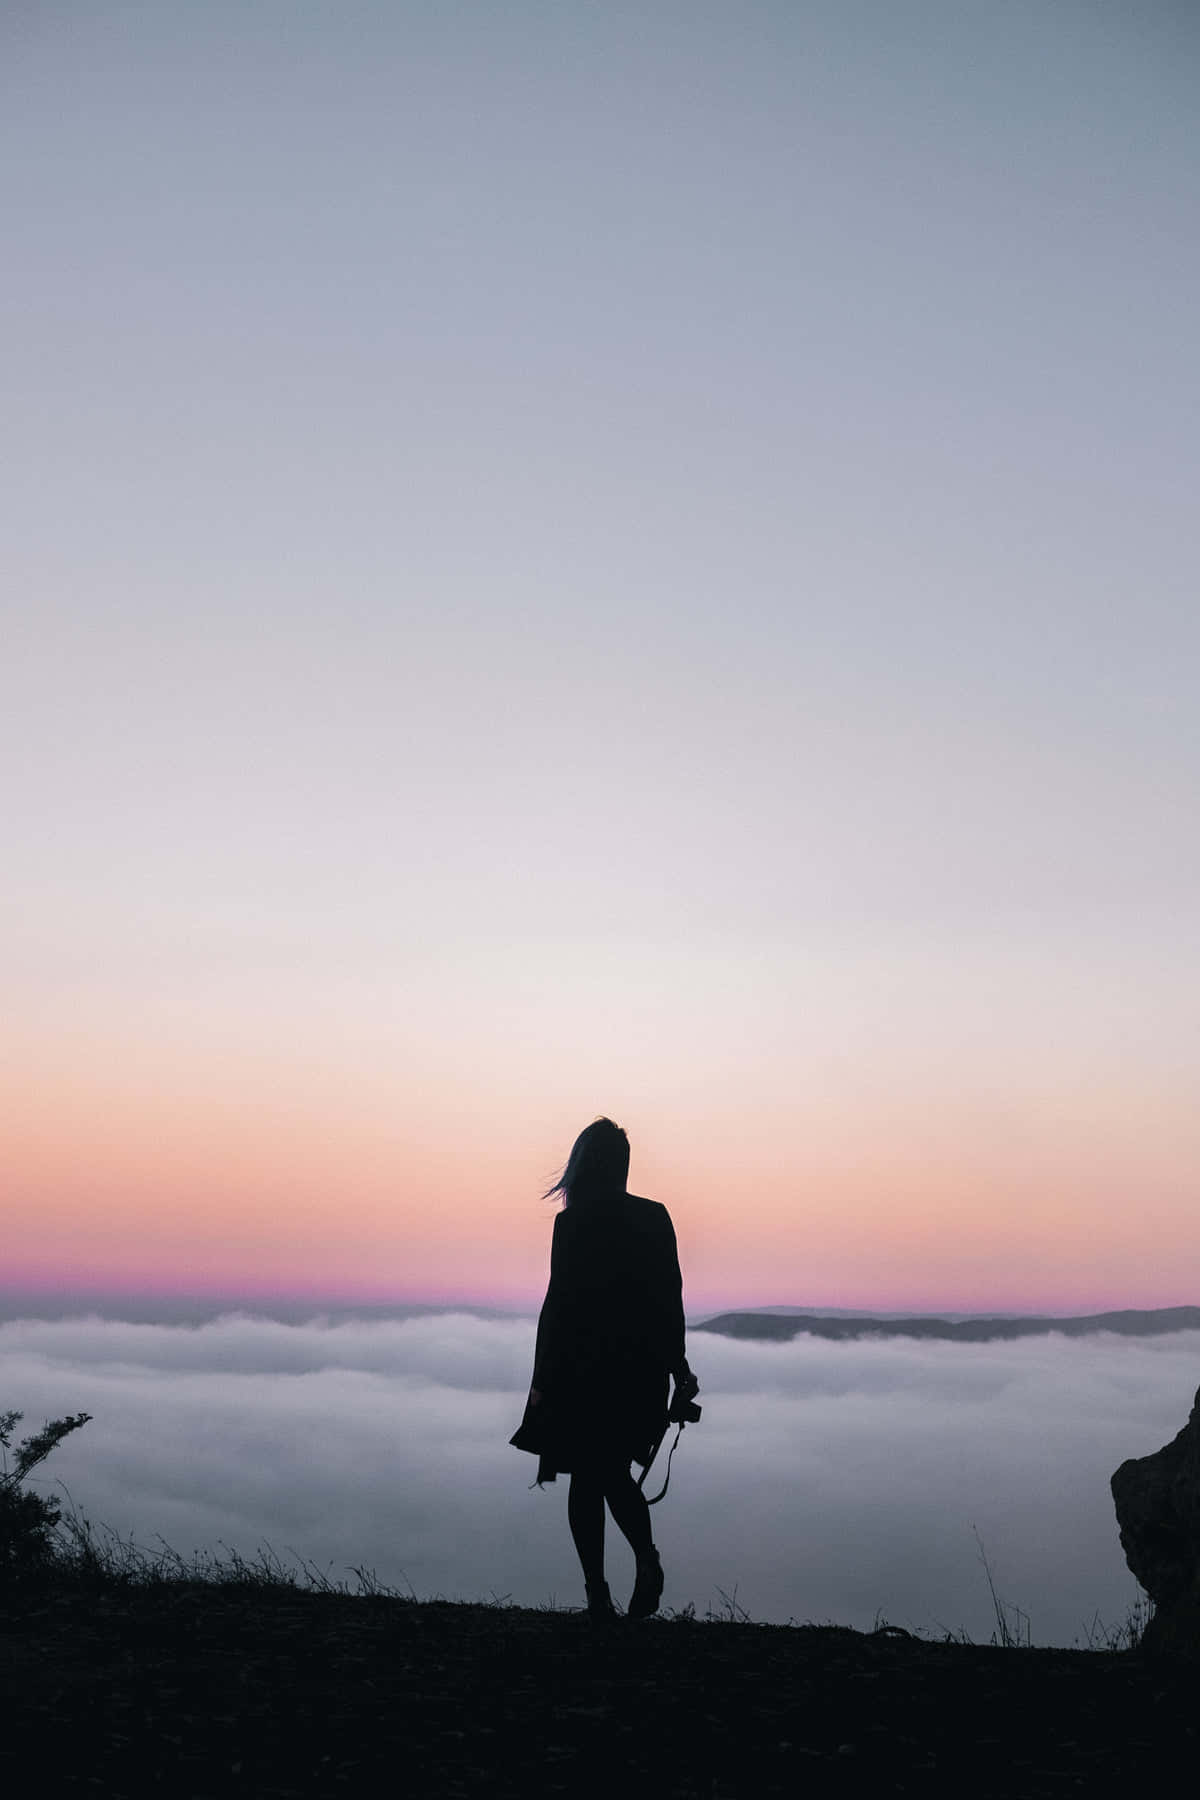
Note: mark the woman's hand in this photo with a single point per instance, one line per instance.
(685, 1381)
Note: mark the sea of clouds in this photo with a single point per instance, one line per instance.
(826, 1481)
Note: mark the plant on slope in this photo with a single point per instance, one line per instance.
(27, 1520)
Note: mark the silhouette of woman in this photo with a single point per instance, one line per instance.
(610, 1333)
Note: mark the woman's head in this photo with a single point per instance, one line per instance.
(598, 1166)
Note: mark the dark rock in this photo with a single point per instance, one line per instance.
(1158, 1511)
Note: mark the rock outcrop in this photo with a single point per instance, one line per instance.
(1158, 1511)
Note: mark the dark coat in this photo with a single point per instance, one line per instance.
(609, 1335)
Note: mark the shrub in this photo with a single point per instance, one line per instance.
(27, 1520)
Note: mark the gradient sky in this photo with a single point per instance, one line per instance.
(602, 558)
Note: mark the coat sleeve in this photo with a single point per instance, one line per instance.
(670, 1285)
(548, 1345)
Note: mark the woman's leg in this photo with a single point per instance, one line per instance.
(585, 1515)
(627, 1503)
(631, 1510)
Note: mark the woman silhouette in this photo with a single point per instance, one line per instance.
(609, 1335)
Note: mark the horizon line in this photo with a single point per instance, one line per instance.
(307, 1305)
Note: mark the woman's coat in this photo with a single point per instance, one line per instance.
(610, 1333)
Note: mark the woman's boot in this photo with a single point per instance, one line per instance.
(648, 1586)
(599, 1601)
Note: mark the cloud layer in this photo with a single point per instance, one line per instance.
(825, 1481)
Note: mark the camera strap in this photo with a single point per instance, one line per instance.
(667, 1482)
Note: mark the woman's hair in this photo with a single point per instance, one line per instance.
(597, 1168)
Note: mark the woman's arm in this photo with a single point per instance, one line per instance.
(671, 1293)
(549, 1334)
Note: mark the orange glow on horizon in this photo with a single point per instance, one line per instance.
(189, 1174)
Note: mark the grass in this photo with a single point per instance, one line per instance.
(1012, 1622)
(1128, 1634)
(100, 1556)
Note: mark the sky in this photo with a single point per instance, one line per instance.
(824, 1483)
(601, 558)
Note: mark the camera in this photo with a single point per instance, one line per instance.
(683, 1409)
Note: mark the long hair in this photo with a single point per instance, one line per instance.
(597, 1168)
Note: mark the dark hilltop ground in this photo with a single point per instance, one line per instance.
(187, 1688)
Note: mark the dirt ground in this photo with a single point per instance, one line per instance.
(191, 1690)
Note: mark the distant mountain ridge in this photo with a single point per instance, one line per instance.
(779, 1327)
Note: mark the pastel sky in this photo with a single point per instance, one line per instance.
(575, 558)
